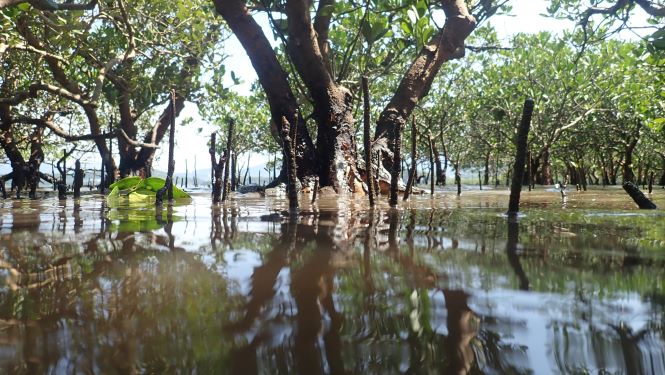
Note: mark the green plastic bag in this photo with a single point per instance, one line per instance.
(139, 190)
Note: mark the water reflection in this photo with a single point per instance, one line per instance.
(244, 289)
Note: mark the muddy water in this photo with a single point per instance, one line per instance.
(443, 285)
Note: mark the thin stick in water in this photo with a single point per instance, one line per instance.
(520, 157)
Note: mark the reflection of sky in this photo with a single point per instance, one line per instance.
(552, 328)
(582, 324)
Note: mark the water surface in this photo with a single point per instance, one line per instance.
(444, 285)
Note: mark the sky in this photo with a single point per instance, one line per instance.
(526, 17)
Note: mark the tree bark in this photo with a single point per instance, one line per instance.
(445, 45)
(288, 136)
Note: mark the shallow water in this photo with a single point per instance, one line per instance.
(444, 285)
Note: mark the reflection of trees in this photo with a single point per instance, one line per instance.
(113, 303)
(511, 252)
(390, 268)
(331, 293)
(462, 327)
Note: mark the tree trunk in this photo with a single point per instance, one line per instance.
(638, 197)
(234, 171)
(36, 159)
(7, 141)
(627, 165)
(458, 178)
(272, 78)
(141, 162)
(126, 151)
(614, 170)
(605, 168)
(486, 177)
(412, 170)
(440, 176)
(545, 177)
(445, 45)
(333, 103)
(107, 158)
(431, 165)
(445, 161)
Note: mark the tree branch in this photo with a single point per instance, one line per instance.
(445, 45)
(651, 9)
(322, 27)
(120, 58)
(304, 48)
(25, 47)
(51, 5)
(34, 88)
(48, 123)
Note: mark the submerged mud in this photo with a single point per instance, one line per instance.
(443, 285)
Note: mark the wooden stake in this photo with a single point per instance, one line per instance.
(520, 156)
(379, 164)
(367, 142)
(432, 172)
(55, 184)
(2, 188)
(196, 180)
(234, 171)
(397, 163)
(288, 137)
(216, 173)
(78, 179)
(227, 164)
(529, 170)
(412, 170)
(316, 189)
(168, 185)
(458, 176)
(169, 177)
(62, 185)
